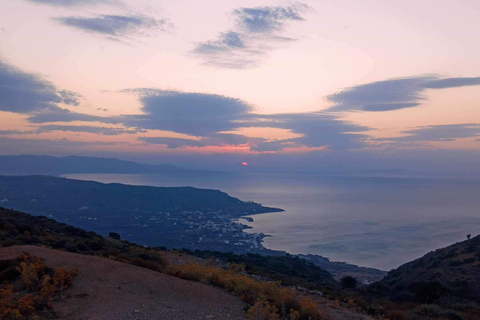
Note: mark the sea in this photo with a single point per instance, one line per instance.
(380, 222)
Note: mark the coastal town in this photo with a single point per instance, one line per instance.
(202, 230)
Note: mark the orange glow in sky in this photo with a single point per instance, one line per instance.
(201, 78)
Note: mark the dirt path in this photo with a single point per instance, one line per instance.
(110, 290)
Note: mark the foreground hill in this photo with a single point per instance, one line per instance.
(281, 283)
(48, 165)
(17, 228)
(125, 289)
(106, 289)
(448, 274)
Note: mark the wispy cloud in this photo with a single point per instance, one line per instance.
(256, 32)
(267, 19)
(115, 27)
(56, 114)
(68, 3)
(393, 94)
(88, 129)
(14, 132)
(448, 132)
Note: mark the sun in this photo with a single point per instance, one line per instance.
(244, 164)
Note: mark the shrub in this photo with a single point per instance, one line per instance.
(263, 311)
(34, 277)
(114, 235)
(348, 282)
(429, 292)
(429, 310)
(309, 310)
(267, 298)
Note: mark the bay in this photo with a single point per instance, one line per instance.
(379, 222)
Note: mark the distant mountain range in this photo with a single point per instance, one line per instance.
(48, 165)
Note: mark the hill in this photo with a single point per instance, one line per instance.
(106, 289)
(445, 275)
(48, 165)
(130, 292)
(406, 293)
(180, 217)
(17, 228)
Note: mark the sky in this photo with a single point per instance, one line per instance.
(317, 85)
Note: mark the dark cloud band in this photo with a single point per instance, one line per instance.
(393, 94)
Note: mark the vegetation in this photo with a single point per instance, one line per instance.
(348, 282)
(38, 285)
(15, 229)
(418, 290)
(445, 275)
(288, 270)
(66, 196)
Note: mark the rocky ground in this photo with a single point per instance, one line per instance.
(106, 289)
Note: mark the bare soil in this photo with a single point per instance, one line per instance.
(111, 290)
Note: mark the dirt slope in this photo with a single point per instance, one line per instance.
(106, 289)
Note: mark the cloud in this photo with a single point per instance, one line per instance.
(207, 117)
(88, 129)
(26, 93)
(13, 132)
(318, 129)
(225, 42)
(453, 83)
(70, 97)
(56, 114)
(173, 143)
(449, 132)
(68, 3)
(267, 19)
(393, 94)
(113, 26)
(257, 31)
(191, 113)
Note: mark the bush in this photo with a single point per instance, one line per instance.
(429, 310)
(114, 235)
(35, 278)
(263, 311)
(348, 282)
(429, 292)
(266, 298)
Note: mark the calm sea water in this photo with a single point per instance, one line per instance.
(374, 222)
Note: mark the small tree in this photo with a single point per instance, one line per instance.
(348, 282)
(114, 235)
(469, 236)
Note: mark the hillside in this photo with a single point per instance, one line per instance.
(447, 274)
(117, 287)
(17, 228)
(107, 289)
(176, 217)
(253, 276)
